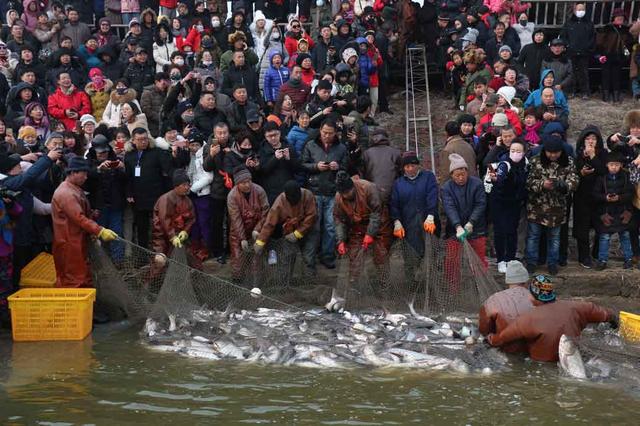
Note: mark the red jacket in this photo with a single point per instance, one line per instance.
(374, 79)
(171, 4)
(76, 100)
(485, 122)
(291, 43)
(308, 75)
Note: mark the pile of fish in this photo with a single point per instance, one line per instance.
(317, 338)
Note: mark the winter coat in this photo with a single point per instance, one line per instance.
(205, 120)
(463, 204)
(484, 124)
(140, 120)
(362, 215)
(151, 102)
(114, 69)
(246, 214)
(222, 182)
(319, 56)
(237, 115)
(583, 202)
(467, 89)
(111, 115)
(78, 33)
(15, 115)
(99, 99)
(297, 137)
(298, 92)
(457, 145)
(382, 166)
(291, 42)
(544, 207)
(75, 71)
(200, 179)
(274, 79)
(250, 60)
(611, 217)
(535, 98)
(60, 102)
(530, 58)
(154, 179)
(91, 59)
(72, 226)
(510, 39)
(274, 173)
(562, 69)
(580, 36)
(139, 76)
(241, 75)
(367, 69)
(542, 326)
(515, 8)
(502, 309)
(300, 217)
(172, 214)
(162, 54)
(511, 181)
(323, 182)
(265, 60)
(611, 41)
(315, 108)
(525, 34)
(260, 40)
(107, 187)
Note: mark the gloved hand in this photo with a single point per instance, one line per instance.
(291, 237)
(461, 234)
(468, 227)
(398, 229)
(254, 235)
(176, 241)
(258, 246)
(342, 248)
(107, 235)
(367, 241)
(429, 225)
(244, 244)
(183, 235)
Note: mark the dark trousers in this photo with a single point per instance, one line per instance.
(142, 221)
(218, 211)
(22, 255)
(383, 94)
(611, 75)
(634, 234)
(505, 215)
(580, 74)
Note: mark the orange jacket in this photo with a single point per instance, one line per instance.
(172, 213)
(503, 308)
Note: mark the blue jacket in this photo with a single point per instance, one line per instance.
(411, 202)
(26, 183)
(366, 67)
(464, 204)
(511, 181)
(91, 59)
(297, 137)
(274, 78)
(535, 98)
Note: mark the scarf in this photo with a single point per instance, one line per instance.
(532, 137)
(68, 91)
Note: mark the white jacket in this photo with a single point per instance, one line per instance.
(111, 115)
(260, 41)
(162, 54)
(200, 180)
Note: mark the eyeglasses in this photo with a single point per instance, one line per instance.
(295, 26)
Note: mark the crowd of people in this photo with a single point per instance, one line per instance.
(225, 130)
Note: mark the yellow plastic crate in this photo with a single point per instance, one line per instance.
(630, 327)
(51, 313)
(40, 272)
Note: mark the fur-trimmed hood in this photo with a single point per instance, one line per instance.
(129, 96)
(108, 85)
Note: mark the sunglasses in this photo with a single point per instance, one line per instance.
(295, 26)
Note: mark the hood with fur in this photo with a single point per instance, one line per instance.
(129, 96)
(108, 85)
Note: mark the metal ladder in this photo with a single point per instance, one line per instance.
(417, 104)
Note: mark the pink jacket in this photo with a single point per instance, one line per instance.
(514, 7)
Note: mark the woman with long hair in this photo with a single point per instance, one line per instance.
(35, 115)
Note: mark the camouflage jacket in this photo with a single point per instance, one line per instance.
(549, 208)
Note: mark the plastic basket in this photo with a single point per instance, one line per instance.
(630, 327)
(40, 272)
(51, 314)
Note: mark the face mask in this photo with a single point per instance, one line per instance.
(179, 62)
(245, 150)
(206, 63)
(215, 24)
(275, 36)
(580, 13)
(523, 22)
(187, 118)
(121, 90)
(516, 157)
(175, 77)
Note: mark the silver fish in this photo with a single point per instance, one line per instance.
(570, 358)
(336, 304)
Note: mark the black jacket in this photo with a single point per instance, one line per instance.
(204, 120)
(241, 75)
(613, 216)
(531, 58)
(139, 76)
(215, 165)
(154, 179)
(107, 189)
(273, 172)
(580, 36)
(323, 182)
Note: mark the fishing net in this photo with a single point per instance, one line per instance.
(608, 355)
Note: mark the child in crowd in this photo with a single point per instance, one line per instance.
(532, 126)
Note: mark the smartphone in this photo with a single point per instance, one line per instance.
(112, 164)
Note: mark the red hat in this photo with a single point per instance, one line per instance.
(618, 12)
(94, 72)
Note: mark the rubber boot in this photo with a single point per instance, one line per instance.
(616, 97)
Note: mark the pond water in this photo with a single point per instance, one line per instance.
(110, 377)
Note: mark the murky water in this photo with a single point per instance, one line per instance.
(110, 378)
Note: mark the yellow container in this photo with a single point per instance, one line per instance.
(40, 272)
(630, 327)
(51, 313)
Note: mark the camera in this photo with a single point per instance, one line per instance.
(7, 193)
(624, 139)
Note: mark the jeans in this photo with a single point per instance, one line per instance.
(324, 228)
(625, 242)
(533, 241)
(113, 219)
(635, 86)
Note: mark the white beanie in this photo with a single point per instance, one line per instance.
(347, 53)
(516, 273)
(507, 92)
(456, 162)
(258, 15)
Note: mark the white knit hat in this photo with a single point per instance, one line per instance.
(516, 273)
(258, 15)
(347, 53)
(507, 92)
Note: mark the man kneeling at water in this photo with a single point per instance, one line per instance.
(542, 327)
(504, 307)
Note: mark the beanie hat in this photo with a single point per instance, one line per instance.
(78, 164)
(301, 57)
(8, 162)
(505, 48)
(410, 157)
(241, 174)
(348, 53)
(466, 118)
(499, 120)
(179, 177)
(343, 182)
(95, 72)
(507, 92)
(552, 143)
(541, 287)
(292, 191)
(456, 162)
(516, 273)
(615, 156)
(324, 84)
(26, 131)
